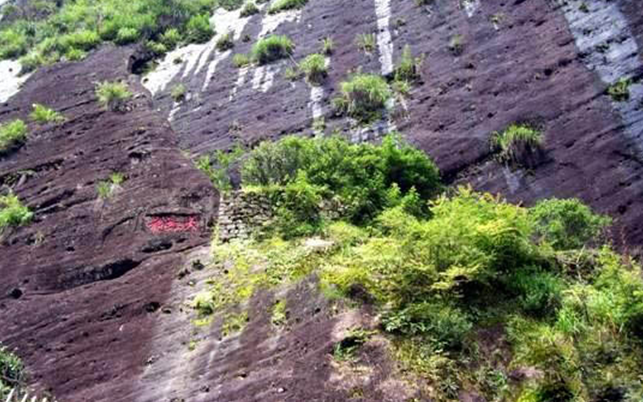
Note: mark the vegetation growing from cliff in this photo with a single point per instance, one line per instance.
(13, 212)
(564, 317)
(42, 114)
(314, 68)
(516, 140)
(284, 5)
(113, 95)
(11, 371)
(12, 134)
(69, 31)
(272, 48)
(363, 97)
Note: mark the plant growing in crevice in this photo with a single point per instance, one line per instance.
(178, 93)
(225, 42)
(113, 95)
(42, 114)
(347, 348)
(272, 48)
(456, 44)
(363, 96)
(234, 323)
(279, 317)
(106, 188)
(620, 90)
(217, 166)
(249, 9)
(328, 46)
(240, 60)
(13, 212)
(285, 5)
(314, 68)
(12, 134)
(11, 372)
(515, 140)
(366, 42)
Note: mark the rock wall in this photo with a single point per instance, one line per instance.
(535, 61)
(241, 213)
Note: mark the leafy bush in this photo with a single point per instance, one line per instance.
(314, 68)
(127, 35)
(284, 5)
(225, 42)
(12, 134)
(566, 224)
(171, 38)
(408, 70)
(538, 292)
(13, 212)
(515, 140)
(363, 96)
(217, 167)
(178, 93)
(199, 29)
(328, 46)
(240, 60)
(11, 371)
(620, 90)
(43, 114)
(113, 95)
(249, 9)
(360, 175)
(272, 48)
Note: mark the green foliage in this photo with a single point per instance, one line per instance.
(106, 188)
(178, 93)
(314, 68)
(620, 90)
(13, 212)
(366, 42)
(73, 28)
(234, 323)
(408, 69)
(113, 95)
(240, 60)
(284, 5)
(249, 9)
(11, 372)
(217, 166)
(279, 316)
(328, 46)
(538, 292)
(12, 134)
(359, 175)
(566, 224)
(225, 42)
(42, 114)
(272, 48)
(515, 140)
(363, 97)
(347, 348)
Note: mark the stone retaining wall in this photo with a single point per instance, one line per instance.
(241, 213)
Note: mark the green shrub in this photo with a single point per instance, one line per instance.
(249, 9)
(106, 188)
(364, 96)
(566, 224)
(538, 292)
(284, 5)
(178, 93)
(13, 212)
(225, 42)
(272, 48)
(217, 167)
(314, 68)
(366, 42)
(13, 43)
(620, 90)
(328, 46)
(42, 114)
(199, 29)
(171, 38)
(12, 134)
(113, 95)
(360, 175)
(127, 35)
(240, 60)
(408, 70)
(515, 140)
(11, 372)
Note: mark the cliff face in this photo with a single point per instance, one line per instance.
(89, 291)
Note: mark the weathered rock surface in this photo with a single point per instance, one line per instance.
(89, 291)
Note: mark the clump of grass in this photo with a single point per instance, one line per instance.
(328, 46)
(366, 42)
(234, 323)
(11, 372)
(199, 29)
(363, 97)
(113, 95)
(225, 42)
(178, 93)
(13, 212)
(12, 134)
(171, 38)
(620, 90)
(456, 44)
(240, 60)
(314, 68)
(279, 316)
(347, 348)
(408, 68)
(106, 188)
(292, 74)
(249, 9)
(217, 166)
(42, 114)
(517, 138)
(284, 5)
(272, 48)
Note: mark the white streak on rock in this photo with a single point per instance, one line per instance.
(470, 7)
(316, 96)
(241, 79)
(512, 179)
(384, 39)
(10, 81)
(272, 21)
(212, 67)
(604, 24)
